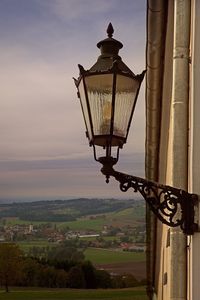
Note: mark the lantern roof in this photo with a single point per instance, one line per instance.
(109, 57)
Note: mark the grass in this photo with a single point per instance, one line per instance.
(104, 256)
(131, 216)
(56, 294)
(26, 245)
(85, 224)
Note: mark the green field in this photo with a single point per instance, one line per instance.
(105, 256)
(26, 245)
(53, 294)
(85, 224)
(129, 216)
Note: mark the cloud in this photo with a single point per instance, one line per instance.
(76, 9)
(41, 111)
(42, 130)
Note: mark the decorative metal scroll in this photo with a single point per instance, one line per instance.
(173, 207)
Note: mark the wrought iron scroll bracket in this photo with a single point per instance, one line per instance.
(172, 206)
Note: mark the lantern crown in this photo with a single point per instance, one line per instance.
(109, 57)
(109, 46)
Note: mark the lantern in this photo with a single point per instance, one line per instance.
(108, 93)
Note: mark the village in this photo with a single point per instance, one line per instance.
(108, 237)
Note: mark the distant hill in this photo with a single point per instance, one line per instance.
(63, 210)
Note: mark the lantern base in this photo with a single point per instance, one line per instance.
(108, 162)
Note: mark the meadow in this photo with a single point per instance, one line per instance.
(106, 256)
(26, 245)
(57, 294)
(129, 216)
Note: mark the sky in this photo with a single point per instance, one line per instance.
(44, 153)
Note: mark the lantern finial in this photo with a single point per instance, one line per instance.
(110, 30)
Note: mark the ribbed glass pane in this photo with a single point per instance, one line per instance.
(100, 98)
(85, 109)
(126, 89)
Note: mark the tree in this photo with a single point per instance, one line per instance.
(76, 278)
(89, 275)
(129, 280)
(30, 272)
(103, 279)
(62, 253)
(10, 264)
(61, 279)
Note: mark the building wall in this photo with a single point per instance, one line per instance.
(155, 46)
(173, 162)
(172, 276)
(179, 162)
(194, 150)
(163, 245)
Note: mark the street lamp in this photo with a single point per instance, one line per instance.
(108, 93)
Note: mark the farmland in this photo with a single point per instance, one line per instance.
(118, 262)
(106, 256)
(111, 233)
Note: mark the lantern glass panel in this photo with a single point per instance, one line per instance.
(99, 88)
(85, 109)
(125, 97)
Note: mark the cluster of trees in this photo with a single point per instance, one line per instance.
(62, 268)
(62, 274)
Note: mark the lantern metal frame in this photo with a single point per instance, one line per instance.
(172, 206)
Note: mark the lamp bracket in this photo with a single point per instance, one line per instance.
(172, 206)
